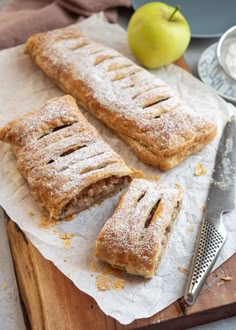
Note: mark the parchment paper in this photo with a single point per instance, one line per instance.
(24, 87)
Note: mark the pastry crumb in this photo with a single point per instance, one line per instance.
(183, 270)
(4, 286)
(103, 282)
(226, 278)
(110, 278)
(199, 169)
(118, 284)
(113, 271)
(66, 238)
(177, 186)
(67, 244)
(31, 214)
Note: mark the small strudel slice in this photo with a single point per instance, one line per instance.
(135, 237)
(67, 164)
(142, 109)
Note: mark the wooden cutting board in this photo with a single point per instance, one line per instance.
(51, 301)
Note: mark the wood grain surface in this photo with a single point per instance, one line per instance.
(53, 302)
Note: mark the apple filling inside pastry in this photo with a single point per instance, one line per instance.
(94, 194)
(135, 237)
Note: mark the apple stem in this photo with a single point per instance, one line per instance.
(175, 10)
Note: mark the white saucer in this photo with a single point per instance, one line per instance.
(214, 76)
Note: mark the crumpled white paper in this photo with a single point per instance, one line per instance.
(24, 87)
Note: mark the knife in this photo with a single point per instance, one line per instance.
(221, 198)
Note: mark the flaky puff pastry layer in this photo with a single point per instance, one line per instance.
(61, 156)
(140, 108)
(135, 237)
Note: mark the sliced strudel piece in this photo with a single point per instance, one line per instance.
(143, 110)
(66, 163)
(135, 237)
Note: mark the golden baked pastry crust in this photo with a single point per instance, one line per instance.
(140, 108)
(135, 237)
(66, 163)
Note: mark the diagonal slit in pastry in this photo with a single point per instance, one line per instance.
(117, 66)
(97, 51)
(68, 152)
(83, 44)
(150, 104)
(151, 217)
(123, 75)
(152, 214)
(143, 91)
(102, 58)
(141, 197)
(55, 129)
(72, 149)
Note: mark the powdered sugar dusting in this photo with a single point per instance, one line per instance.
(126, 239)
(123, 88)
(33, 125)
(59, 164)
(224, 181)
(139, 298)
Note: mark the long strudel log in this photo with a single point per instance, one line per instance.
(142, 109)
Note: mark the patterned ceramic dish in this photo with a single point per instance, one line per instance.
(214, 76)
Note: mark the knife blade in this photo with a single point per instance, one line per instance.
(221, 198)
(221, 195)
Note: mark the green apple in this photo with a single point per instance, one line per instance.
(158, 34)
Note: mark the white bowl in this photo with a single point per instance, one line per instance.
(226, 52)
